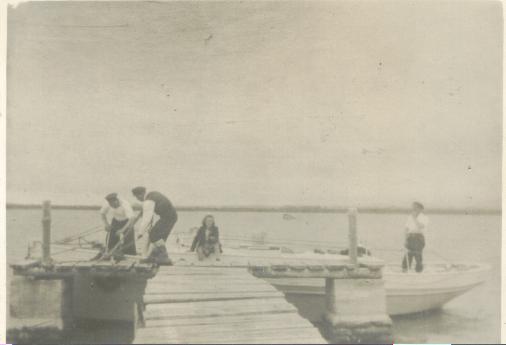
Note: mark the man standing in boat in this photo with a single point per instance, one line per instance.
(119, 230)
(416, 229)
(156, 203)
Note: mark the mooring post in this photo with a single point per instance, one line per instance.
(46, 232)
(356, 304)
(352, 235)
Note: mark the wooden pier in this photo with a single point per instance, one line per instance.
(210, 301)
(195, 304)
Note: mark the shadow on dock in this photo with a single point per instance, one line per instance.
(86, 332)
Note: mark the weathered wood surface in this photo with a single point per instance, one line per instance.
(78, 260)
(219, 305)
(248, 258)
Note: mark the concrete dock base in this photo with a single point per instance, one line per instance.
(109, 299)
(34, 331)
(35, 299)
(356, 312)
(74, 309)
(36, 310)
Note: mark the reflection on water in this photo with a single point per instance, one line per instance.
(473, 317)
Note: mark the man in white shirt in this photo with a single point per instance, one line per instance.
(155, 203)
(416, 230)
(119, 229)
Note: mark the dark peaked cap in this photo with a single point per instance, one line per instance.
(111, 197)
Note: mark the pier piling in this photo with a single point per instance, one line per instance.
(46, 232)
(352, 235)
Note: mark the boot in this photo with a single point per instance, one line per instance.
(158, 256)
(161, 256)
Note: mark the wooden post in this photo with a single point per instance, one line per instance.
(330, 295)
(352, 234)
(46, 232)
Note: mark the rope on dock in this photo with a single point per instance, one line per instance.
(66, 250)
(78, 236)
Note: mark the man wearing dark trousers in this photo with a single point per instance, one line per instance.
(416, 229)
(122, 219)
(155, 203)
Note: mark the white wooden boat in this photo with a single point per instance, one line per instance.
(407, 293)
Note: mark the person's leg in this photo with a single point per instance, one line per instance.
(116, 246)
(157, 237)
(419, 244)
(200, 253)
(217, 252)
(149, 246)
(405, 262)
(113, 237)
(129, 243)
(410, 258)
(165, 227)
(419, 261)
(422, 246)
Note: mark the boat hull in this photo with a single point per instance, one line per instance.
(407, 293)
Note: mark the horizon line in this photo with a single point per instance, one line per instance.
(281, 208)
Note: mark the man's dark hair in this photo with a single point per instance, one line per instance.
(111, 197)
(419, 205)
(139, 190)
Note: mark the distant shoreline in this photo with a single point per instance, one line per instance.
(278, 209)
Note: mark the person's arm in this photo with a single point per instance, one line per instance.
(148, 211)
(424, 222)
(420, 222)
(406, 227)
(195, 242)
(103, 214)
(129, 213)
(136, 218)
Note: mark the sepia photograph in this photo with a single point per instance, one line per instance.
(253, 172)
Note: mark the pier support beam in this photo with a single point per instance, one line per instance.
(356, 308)
(356, 311)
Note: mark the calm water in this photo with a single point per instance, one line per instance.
(473, 317)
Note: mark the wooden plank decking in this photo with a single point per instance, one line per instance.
(191, 304)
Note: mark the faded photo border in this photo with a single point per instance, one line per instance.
(3, 171)
(3, 151)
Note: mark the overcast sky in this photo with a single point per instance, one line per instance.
(256, 103)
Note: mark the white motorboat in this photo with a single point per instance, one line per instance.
(406, 293)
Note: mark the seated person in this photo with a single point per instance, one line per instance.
(207, 240)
